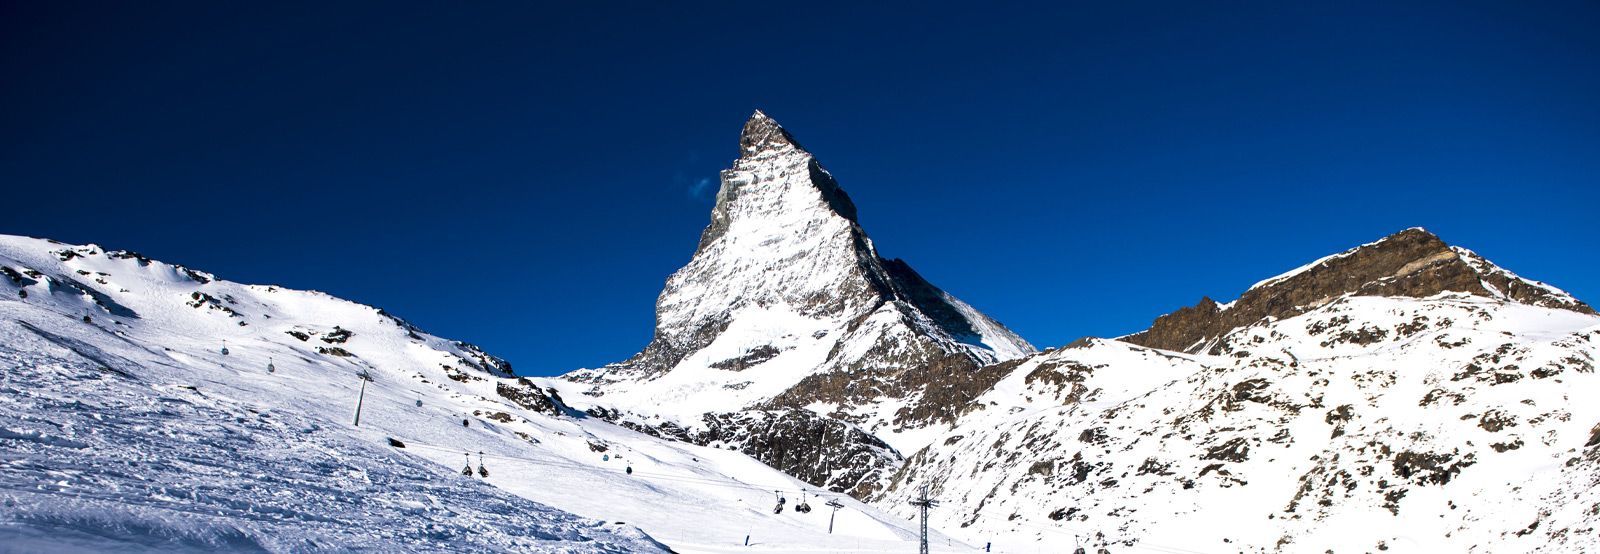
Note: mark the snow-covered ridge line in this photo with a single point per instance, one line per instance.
(1486, 267)
(1411, 263)
(1367, 423)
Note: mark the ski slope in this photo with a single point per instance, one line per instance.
(124, 426)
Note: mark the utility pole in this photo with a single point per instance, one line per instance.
(924, 503)
(833, 503)
(364, 376)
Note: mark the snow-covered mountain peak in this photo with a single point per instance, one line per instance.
(787, 304)
(784, 262)
(1411, 263)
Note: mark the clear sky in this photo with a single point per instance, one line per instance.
(525, 175)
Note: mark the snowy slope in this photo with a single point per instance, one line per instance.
(1456, 422)
(123, 426)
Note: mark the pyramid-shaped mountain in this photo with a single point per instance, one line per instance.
(787, 304)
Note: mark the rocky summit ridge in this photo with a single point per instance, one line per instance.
(1411, 263)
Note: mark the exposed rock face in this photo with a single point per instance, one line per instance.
(529, 396)
(1412, 263)
(819, 450)
(815, 449)
(483, 361)
(787, 304)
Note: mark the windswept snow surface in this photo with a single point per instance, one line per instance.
(124, 427)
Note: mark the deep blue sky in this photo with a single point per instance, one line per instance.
(525, 175)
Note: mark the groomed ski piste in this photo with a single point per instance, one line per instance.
(125, 427)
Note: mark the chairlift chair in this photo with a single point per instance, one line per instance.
(467, 471)
(781, 500)
(803, 507)
(481, 471)
(224, 348)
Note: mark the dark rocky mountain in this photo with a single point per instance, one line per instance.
(819, 450)
(1411, 263)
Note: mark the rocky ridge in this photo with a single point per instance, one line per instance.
(1411, 263)
(1402, 391)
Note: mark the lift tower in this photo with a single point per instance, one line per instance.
(924, 503)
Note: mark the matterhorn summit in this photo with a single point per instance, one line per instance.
(787, 304)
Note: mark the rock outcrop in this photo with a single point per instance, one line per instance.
(1412, 263)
